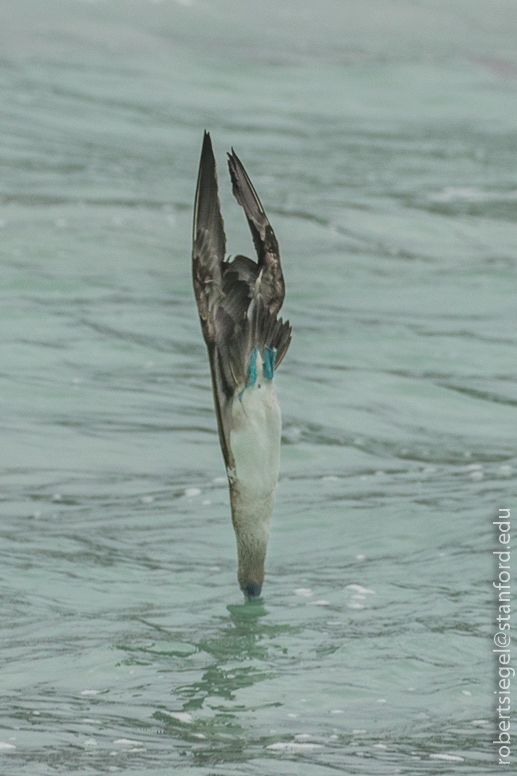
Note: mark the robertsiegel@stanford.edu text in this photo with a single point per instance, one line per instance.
(502, 638)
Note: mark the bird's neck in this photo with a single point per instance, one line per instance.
(255, 445)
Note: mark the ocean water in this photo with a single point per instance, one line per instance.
(381, 137)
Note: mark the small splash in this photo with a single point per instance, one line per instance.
(181, 716)
(360, 589)
(191, 492)
(293, 746)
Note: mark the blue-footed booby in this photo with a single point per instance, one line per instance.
(238, 302)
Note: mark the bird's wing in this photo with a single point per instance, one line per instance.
(237, 301)
(271, 279)
(209, 241)
(208, 250)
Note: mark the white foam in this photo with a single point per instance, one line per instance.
(191, 492)
(453, 757)
(466, 692)
(321, 602)
(219, 480)
(90, 742)
(471, 194)
(380, 746)
(360, 589)
(90, 692)
(127, 742)
(360, 557)
(330, 478)
(303, 591)
(5, 747)
(147, 499)
(337, 711)
(182, 716)
(381, 700)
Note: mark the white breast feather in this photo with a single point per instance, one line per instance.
(255, 437)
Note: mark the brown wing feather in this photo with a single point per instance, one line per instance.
(272, 280)
(237, 301)
(208, 250)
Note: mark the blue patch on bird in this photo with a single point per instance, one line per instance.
(269, 362)
(253, 368)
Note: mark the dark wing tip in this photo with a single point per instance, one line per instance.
(207, 212)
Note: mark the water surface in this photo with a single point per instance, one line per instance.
(381, 138)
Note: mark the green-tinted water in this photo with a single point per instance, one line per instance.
(381, 137)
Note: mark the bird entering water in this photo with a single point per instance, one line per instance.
(238, 301)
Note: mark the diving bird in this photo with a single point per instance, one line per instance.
(238, 301)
